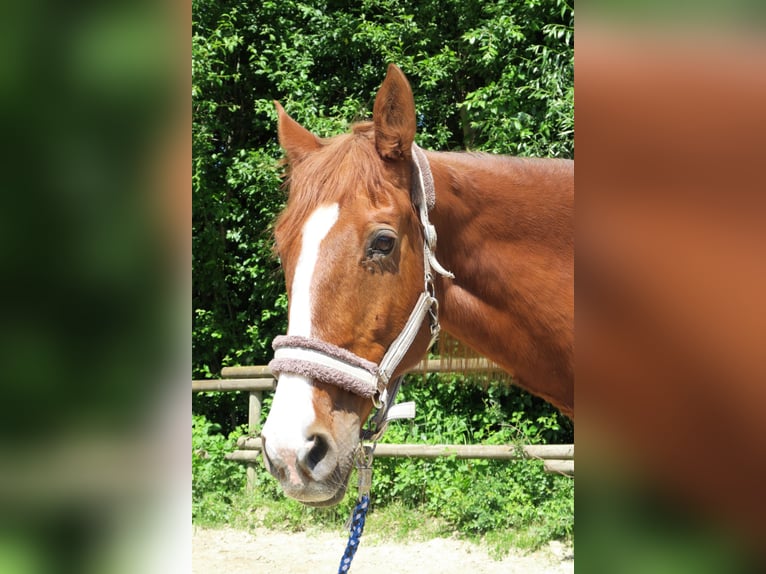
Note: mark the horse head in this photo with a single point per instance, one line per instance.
(352, 250)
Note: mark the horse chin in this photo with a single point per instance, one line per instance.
(334, 501)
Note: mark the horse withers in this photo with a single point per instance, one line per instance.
(368, 288)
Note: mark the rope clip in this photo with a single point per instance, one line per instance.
(364, 460)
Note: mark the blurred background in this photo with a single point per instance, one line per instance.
(95, 221)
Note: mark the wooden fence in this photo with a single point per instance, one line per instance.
(258, 379)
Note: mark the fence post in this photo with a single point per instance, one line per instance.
(253, 418)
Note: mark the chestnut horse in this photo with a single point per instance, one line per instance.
(354, 244)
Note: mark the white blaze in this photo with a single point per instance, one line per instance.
(316, 228)
(292, 412)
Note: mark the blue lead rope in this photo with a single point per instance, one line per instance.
(364, 457)
(355, 533)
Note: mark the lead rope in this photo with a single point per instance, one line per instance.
(363, 463)
(359, 515)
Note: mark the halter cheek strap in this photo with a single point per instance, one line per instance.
(325, 362)
(424, 198)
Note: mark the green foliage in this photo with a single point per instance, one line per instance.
(214, 479)
(479, 496)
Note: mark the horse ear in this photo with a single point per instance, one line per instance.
(296, 140)
(394, 116)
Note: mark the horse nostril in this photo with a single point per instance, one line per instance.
(310, 461)
(318, 451)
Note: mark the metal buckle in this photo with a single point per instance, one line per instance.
(433, 309)
(364, 457)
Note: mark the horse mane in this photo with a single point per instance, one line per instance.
(457, 358)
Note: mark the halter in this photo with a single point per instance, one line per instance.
(317, 359)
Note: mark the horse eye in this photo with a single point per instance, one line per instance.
(382, 243)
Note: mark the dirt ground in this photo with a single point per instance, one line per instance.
(229, 551)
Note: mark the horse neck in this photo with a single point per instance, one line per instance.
(505, 229)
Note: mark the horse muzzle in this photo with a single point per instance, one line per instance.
(309, 441)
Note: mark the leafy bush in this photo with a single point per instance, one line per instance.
(480, 496)
(215, 480)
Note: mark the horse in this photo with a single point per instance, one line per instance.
(368, 287)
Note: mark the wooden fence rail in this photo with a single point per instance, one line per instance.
(258, 379)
